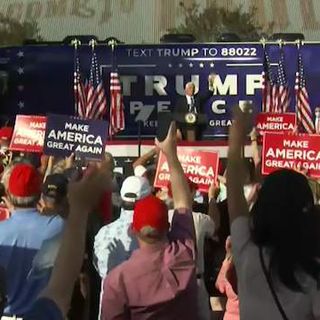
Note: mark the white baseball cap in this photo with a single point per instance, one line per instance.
(140, 170)
(135, 188)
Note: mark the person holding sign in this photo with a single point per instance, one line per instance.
(276, 249)
(159, 280)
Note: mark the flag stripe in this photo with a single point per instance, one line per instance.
(79, 89)
(303, 108)
(116, 118)
(269, 89)
(96, 106)
(282, 95)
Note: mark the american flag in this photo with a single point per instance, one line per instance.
(269, 88)
(117, 120)
(96, 102)
(283, 94)
(303, 109)
(79, 89)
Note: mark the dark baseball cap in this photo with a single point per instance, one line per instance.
(55, 186)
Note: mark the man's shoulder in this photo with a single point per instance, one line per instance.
(55, 220)
(111, 228)
(53, 225)
(7, 228)
(182, 223)
(6, 222)
(182, 100)
(116, 275)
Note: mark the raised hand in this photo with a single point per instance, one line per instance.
(242, 123)
(70, 161)
(169, 145)
(254, 134)
(86, 193)
(214, 190)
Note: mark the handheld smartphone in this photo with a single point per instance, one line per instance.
(79, 161)
(164, 121)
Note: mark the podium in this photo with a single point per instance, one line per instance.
(191, 131)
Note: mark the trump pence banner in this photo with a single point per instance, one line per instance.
(199, 166)
(275, 122)
(28, 134)
(66, 135)
(288, 151)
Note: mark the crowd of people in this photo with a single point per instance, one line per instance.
(81, 242)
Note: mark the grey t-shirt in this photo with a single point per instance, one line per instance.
(256, 300)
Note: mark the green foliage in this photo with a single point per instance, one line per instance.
(13, 32)
(206, 25)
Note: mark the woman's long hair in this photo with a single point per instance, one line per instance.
(285, 221)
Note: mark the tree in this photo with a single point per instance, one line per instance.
(208, 24)
(13, 32)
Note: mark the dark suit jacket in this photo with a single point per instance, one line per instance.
(182, 108)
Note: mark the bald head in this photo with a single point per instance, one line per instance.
(190, 89)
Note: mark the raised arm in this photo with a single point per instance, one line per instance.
(237, 204)
(209, 92)
(213, 210)
(83, 197)
(256, 155)
(180, 189)
(144, 159)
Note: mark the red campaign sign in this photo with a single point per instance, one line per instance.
(275, 122)
(28, 134)
(289, 151)
(199, 166)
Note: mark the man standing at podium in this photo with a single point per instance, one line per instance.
(189, 109)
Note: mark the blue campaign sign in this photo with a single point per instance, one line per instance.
(65, 135)
(39, 79)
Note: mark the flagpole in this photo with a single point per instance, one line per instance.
(298, 124)
(117, 108)
(93, 43)
(75, 43)
(112, 43)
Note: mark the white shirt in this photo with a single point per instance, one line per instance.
(191, 103)
(204, 228)
(247, 189)
(114, 243)
(256, 300)
(188, 100)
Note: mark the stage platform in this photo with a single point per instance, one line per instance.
(130, 148)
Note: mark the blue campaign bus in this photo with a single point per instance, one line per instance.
(38, 79)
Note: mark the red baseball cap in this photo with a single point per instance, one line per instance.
(24, 181)
(192, 187)
(6, 133)
(150, 211)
